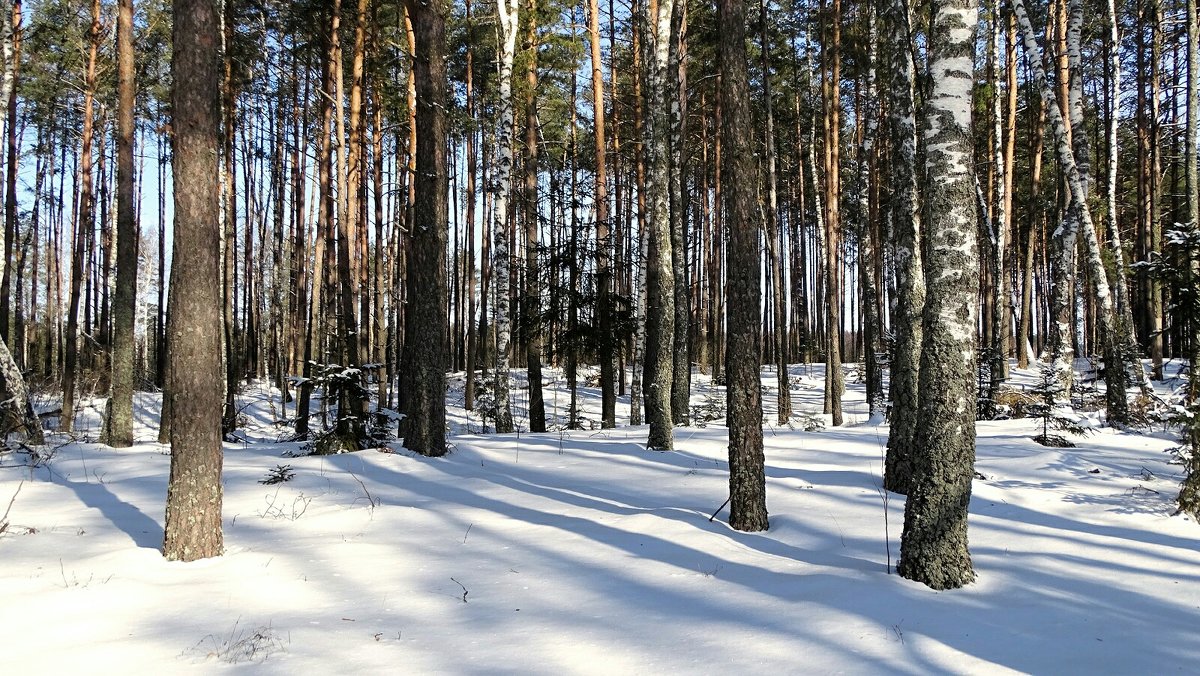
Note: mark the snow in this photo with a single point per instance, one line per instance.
(580, 552)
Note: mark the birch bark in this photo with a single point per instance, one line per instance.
(658, 370)
(933, 546)
(899, 73)
(507, 12)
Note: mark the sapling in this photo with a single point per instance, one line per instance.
(1047, 390)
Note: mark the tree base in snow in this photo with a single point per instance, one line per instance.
(1053, 441)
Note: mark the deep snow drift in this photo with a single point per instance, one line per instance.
(580, 552)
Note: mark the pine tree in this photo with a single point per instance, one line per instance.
(743, 351)
(193, 514)
(423, 374)
(118, 427)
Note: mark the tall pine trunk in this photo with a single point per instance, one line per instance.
(119, 423)
(606, 333)
(193, 511)
(423, 375)
(83, 227)
(532, 304)
(747, 480)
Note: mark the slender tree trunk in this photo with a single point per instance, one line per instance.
(1037, 212)
(119, 423)
(229, 200)
(507, 12)
(532, 304)
(1189, 494)
(636, 287)
(1000, 221)
(1010, 145)
(12, 60)
(312, 335)
(658, 370)
(1115, 371)
(472, 164)
(1121, 274)
(747, 481)
(831, 120)
(19, 411)
(776, 244)
(193, 512)
(82, 229)
(606, 334)
(681, 369)
(868, 246)
(898, 99)
(1153, 171)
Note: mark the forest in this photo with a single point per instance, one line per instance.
(666, 212)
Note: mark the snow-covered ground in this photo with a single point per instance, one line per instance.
(580, 552)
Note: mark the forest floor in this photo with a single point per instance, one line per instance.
(581, 552)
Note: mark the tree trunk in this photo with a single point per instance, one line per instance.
(533, 305)
(229, 200)
(681, 368)
(776, 244)
(507, 11)
(424, 372)
(119, 423)
(832, 92)
(933, 547)
(82, 229)
(193, 512)
(606, 334)
(1189, 494)
(905, 218)
(658, 370)
(472, 164)
(1115, 372)
(19, 410)
(747, 480)
(999, 221)
(868, 246)
(12, 61)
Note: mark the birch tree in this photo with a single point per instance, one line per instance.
(1115, 374)
(658, 370)
(933, 546)
(507, 12)
(904, 217)
(18, 409)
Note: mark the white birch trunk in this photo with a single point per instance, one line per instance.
(507, 12)
(898, 92)
(999, 219)
(658, 370)
(19, 415)
(1115, 372)
(933, 547)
